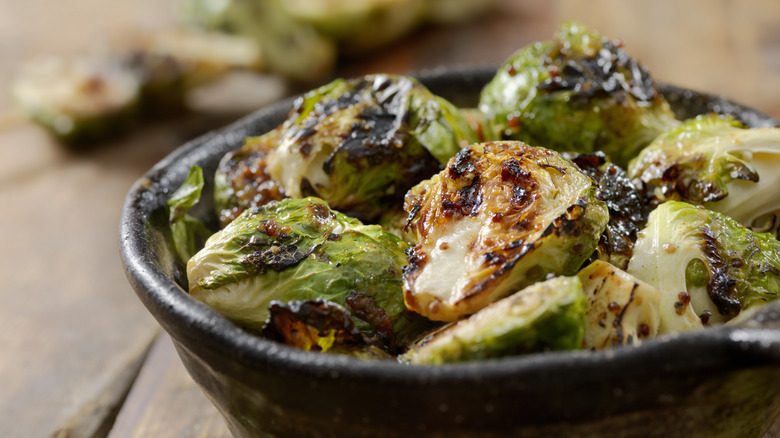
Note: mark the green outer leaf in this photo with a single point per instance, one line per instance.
(188, 233)
(549, 315)
(244, 246)
(751, 259)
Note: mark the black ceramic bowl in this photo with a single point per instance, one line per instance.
(721, 382)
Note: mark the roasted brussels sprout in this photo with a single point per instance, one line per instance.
(290, 47)
(188, 233)
(299, 249)
(358, 25)
(713, 160)
(242, 180)
(500, 217)
(80, 100)
(453, 11)
(86, 99)
(708, 267)
(361, 144)
(319, 325)
(622, 310)
(171, 64)
(579, 92)
(627, 212)
(546, 316)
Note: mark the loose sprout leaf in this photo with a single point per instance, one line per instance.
(546, 316)
(622, 310)
(708, 267)
(187, 195)
(501, 216)
(358, 144)
(714, 160)
(188, 233)
(578, 92)
(299, 249)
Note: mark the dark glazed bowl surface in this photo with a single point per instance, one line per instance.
(721, 382)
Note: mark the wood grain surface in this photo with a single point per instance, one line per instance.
(72, 333)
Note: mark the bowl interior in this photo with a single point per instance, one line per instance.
(158, 276)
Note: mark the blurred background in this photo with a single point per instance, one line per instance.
(74, 340)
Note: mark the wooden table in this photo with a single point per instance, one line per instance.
(73, 337)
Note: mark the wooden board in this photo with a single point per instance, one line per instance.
(164, 402)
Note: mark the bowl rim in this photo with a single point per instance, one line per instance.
(195, 326)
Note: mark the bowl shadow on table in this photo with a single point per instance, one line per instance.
(721, 382)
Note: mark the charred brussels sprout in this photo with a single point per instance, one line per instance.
(500, 217)
(622, 310)
(242, 180)
(708, 267)
(546, 316)
(713, 160)
(358, 25)
(627, 212)
(579, 92)
(361, 144)
(188, 233)
(299, 249)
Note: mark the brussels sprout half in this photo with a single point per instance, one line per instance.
(579, 92)
(78, 100)
(622, 310)
(546, 316)
(715, 161)
(708, 267)
(242, 180)
(299, 249)
(361, 144)
(500, 217)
